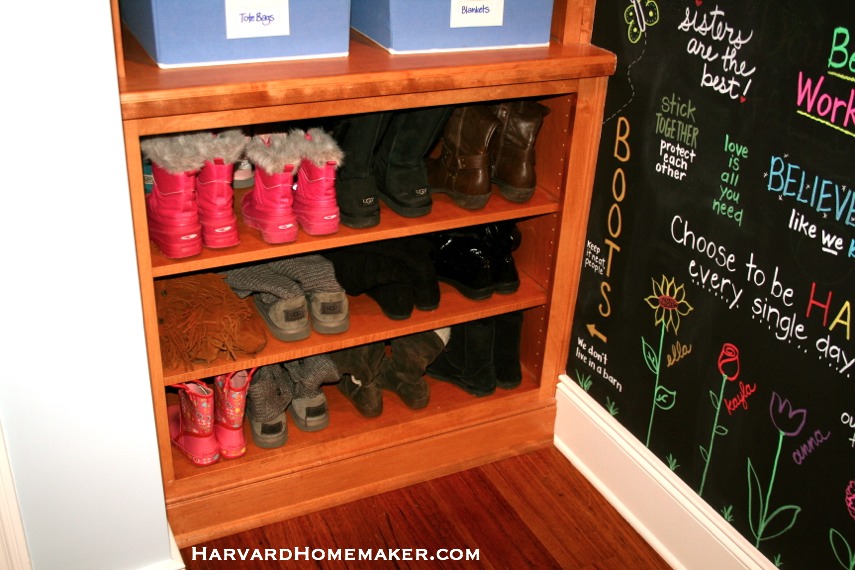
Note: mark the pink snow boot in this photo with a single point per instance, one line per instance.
(315, 202)
(268, 206)
(171, 208)
(214, 192)
(191, 423)
(229, 405)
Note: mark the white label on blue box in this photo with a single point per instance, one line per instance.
(477, 14)
(257, 18)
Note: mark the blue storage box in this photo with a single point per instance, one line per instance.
(215, 32)
(413, 26)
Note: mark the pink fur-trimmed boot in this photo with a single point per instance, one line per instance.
(315, 202)
(191, 423)
(268, 206)
(171, 207)
(229, 406)
(214, 192)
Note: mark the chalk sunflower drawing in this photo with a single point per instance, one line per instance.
(669, 304)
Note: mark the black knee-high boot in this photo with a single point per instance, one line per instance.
(400, 168)
(467, 360)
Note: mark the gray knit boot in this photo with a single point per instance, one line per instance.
(268, 397)
(309, 406)
(326, 298)
(279, 300)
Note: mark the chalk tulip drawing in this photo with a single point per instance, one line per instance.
(669, 304)
(728, 366)
(789, 423)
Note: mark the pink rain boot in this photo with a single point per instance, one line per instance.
(267, 207)
(315, 202)
(214, 191)
(229, 405)
(191, 423)
(171, 208)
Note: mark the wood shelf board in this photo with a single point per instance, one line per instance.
(350, 434)
(148, 91)
(337, 482)
(369, 324)
(445, 214)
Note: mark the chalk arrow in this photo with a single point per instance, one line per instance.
(592, 330)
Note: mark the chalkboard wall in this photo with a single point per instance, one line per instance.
(715, 315)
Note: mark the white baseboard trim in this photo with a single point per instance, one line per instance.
(686, 531)
(175, 563)
(14, 553)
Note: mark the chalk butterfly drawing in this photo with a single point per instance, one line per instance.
(639, 17)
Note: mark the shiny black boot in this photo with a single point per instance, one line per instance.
(463, 262)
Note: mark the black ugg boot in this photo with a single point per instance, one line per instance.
(461, 260)
(386, 280)
(417, 254)
(467, 360)
(400, 168)
(356, 189)
(403, 373)
(359, 367)
(506, 349)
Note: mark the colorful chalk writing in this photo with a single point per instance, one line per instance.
(726, 203)
(725, 179)
(717, 43)
(827, 101)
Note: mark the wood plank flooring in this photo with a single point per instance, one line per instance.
(530, 511)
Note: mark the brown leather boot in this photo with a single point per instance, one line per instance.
(512, 155)
(463, 169)
(403, 373)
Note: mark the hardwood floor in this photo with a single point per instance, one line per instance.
(530, 511)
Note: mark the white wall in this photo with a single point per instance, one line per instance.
(75, 402)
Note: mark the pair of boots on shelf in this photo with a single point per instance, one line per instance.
(369, 369)
(398, 274)
(201, 319)
(482, 355)
(478, 260)
(207, 422)
(191, 202)
(292, 387)
(486, 144)
(386, 154)
(294, 295)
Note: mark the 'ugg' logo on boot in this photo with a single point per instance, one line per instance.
(295, 314)
(369, 201)
(333, 308)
